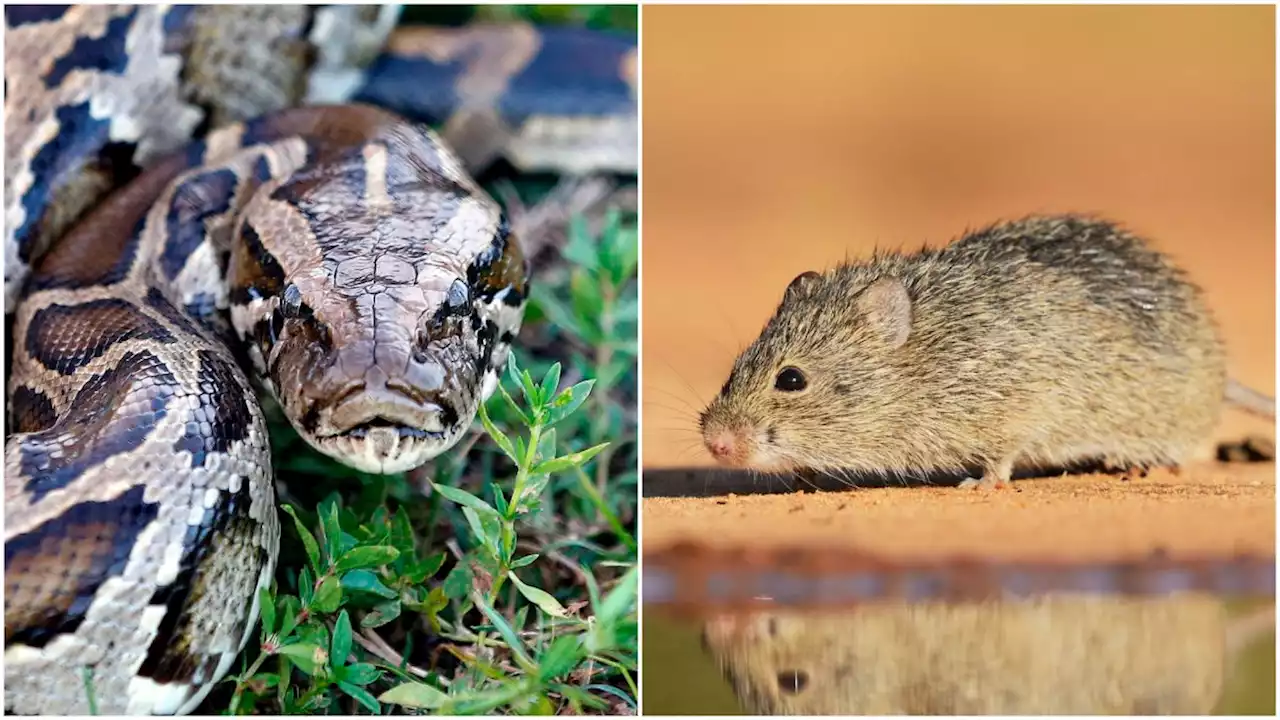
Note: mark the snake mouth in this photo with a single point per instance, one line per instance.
(383, 447)
(362, 431)
(385, 434)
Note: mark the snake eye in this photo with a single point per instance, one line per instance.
(291, 301)
(790, 380)
(458, 297)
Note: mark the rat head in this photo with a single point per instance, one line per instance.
(818, 388)
(378, 321)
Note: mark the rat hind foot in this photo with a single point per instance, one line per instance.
(995, 477)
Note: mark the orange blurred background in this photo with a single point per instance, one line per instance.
(780, 139)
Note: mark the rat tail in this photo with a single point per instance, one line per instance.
(1250, 400)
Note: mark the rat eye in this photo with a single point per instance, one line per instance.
(790, 380)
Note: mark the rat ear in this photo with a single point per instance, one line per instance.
(887, 309)
(801, 280)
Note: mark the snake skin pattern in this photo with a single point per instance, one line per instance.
(339, 256)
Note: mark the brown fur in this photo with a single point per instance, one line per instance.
(1056, 654)
(1041, 342)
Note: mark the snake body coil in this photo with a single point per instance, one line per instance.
(339, 254)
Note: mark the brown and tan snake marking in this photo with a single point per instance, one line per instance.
(340, 255)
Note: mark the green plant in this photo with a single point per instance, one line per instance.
(376, 569)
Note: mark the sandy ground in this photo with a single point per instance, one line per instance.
(780, 140)
(1208, 509)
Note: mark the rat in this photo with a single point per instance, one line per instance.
(1074, 654)
(1039, 342)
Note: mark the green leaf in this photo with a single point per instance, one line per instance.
(362, 674)
(308, 540)
(557, 313)
(367, 581)
(547, 445)
(361, 695)
(368, 556)
(306, 585)
(550, 382)
(267, 607)
(620, 600)
(478, 528)
(436, 601)
(509, 635)
(414, 695)
(541, 598)
(521, 562)
(568, 401)
(541, 705)
(524, 381)
(503, 442)
(424, 569)
(340, 647)
(330, 528)
(462, 497)
(381, 614)
(515, 407)
(563, 655)
(402, 532)
(572, 460)
(328, 596)
(457, 584)
(308, 657)
(499, 499)
(580, 249)
(289, 612)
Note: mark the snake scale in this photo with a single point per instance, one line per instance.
(196, 208)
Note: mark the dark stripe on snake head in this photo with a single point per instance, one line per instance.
(259, 274)
(18, 15)
(485, 338)
(104, 53)
(229, 531)
(500, 266)
(31, 410)
(194, 202)
(221, 416)
(448, 415)
(66, 337)
(53, 572)
(112, 414)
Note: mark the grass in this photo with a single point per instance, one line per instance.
(502, 578)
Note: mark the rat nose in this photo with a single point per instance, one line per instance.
(722, 445)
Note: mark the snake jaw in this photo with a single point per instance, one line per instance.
(384, 450)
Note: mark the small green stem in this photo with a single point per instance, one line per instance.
(91, 697)
(522, 474)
